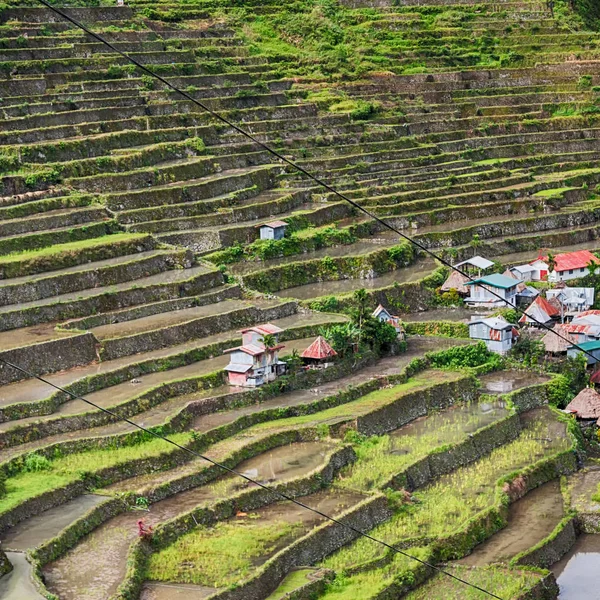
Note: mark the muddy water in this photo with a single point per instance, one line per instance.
(577, 572)
(331, 502)
(415, 272)
(451, 424)
(388, 366)
(46, 525)
(122, 392)
(167, 319)
(18, 585)
(175, 591)
(531, 519)
(31, 389)
(106, 548)
(504, 382)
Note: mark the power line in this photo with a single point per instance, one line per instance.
(298, 167)
(329, 188)
(281, 495)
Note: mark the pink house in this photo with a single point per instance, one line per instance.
(252, 364)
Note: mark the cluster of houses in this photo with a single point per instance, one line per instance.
(566, 308)
(257, 362)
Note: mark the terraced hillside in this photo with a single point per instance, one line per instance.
(129, 260)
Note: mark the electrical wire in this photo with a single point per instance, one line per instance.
(277, 493)
(298, 167)
(337, 193)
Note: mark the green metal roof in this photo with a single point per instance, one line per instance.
(588, 346)
(496, 280)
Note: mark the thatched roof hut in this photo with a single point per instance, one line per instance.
(456, 281)
(556, 344)
(586, 405)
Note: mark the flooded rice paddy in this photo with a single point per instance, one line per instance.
(531, 519)
(107, 546)
(417, 271)
(504, 382)
(577, 572)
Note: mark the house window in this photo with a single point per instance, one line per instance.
(570, 271)
(582, 269)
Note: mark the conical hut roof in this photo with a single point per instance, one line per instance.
(456, 281)
(586, 405)
(319, 350)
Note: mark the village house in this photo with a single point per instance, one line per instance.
(384, 315)
(497, 333)
(493, 291)
(539, 312)
(570, 265)
(274, 230)
(574, 299)
(525, 294)
(591, 351)
(585, 406)
(523, 272)
(319, 355)
(253, 364)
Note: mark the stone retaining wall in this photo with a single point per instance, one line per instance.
(48, 357)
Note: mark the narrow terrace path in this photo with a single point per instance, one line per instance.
(107, 546)
(18, 584)
(31, 389)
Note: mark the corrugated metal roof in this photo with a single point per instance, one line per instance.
(495, 280)
(274, 224)
(477, 261)
(319, 350)
(573, 260)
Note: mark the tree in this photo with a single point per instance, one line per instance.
(342, 337)
(293, 361)
(269, 341)
(551, 262)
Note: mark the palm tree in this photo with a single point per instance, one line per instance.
(269, 341)
(551, 262)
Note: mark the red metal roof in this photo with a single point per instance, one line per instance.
(587, 313)
(570, 328)
(550, 310)
(595, 378)
(573, 260)
(319, 350)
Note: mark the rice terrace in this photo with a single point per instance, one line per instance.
(299, 300)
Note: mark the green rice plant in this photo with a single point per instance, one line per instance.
(221, 555)
(367, 584)
(381, 457)
(39, 474)
(506, 583)
(446, 505)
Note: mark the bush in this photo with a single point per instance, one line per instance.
(36, 462)
(464, 356)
